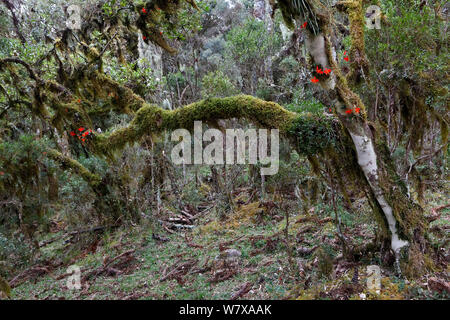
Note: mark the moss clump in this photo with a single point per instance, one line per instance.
(4, 288)
(151, 15)
(123, 99)
(325, 262)
(357, 52)
(244, 214)
(151, 119)
(211, 227)
(263, 113)
(314, 133)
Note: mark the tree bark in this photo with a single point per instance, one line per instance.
(402, 221)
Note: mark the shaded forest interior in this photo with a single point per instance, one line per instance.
(92, 91)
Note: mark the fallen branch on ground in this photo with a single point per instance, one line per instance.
(244, 289)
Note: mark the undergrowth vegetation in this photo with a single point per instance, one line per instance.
(87, 178)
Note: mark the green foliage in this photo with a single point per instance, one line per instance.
(14, 253)
(19, 162)
(137, 75)
(415, 44)
(251, 43)
(413, 34)
(290, 69)
(313, 133)
(292, 169)
(301, 105)
(264, 91)
(216, 84)
(177, 80)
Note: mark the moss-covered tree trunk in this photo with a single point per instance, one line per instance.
(401, 220)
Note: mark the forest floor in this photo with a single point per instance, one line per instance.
(243, 255)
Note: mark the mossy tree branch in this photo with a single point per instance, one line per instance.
(151, 119)
(359, 63)
(68, 163)
(402, 216)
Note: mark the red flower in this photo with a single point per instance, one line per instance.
(357, 110)
(160, 32)
(346, 58)
(304, 25)
(1, 173)
(318, 70)
(83, 140)
(348, 111)
(329, 109)
(72, 133)
(80, 129)
(314, 80)
(144, 37)
(144, 10)
(327, 71)
(79, 100)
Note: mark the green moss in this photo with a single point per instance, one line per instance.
(314, 133)
(5, 288)
(357, 51)
(411, 222)
(151, 119)
(78, 168)
(123, 99)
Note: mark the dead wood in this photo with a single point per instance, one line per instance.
(244, 289)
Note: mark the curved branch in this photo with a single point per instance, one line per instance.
(23, 63)
(151, 119)
(66, 162)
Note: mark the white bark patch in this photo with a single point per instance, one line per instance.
(316, 47)
(367, 159)
(285, 32)
(396, 242)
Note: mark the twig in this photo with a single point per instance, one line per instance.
(434, 212)
(244, 289)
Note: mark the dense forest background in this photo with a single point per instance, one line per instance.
(86, 179)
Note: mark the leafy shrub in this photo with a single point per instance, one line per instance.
(216, 84)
